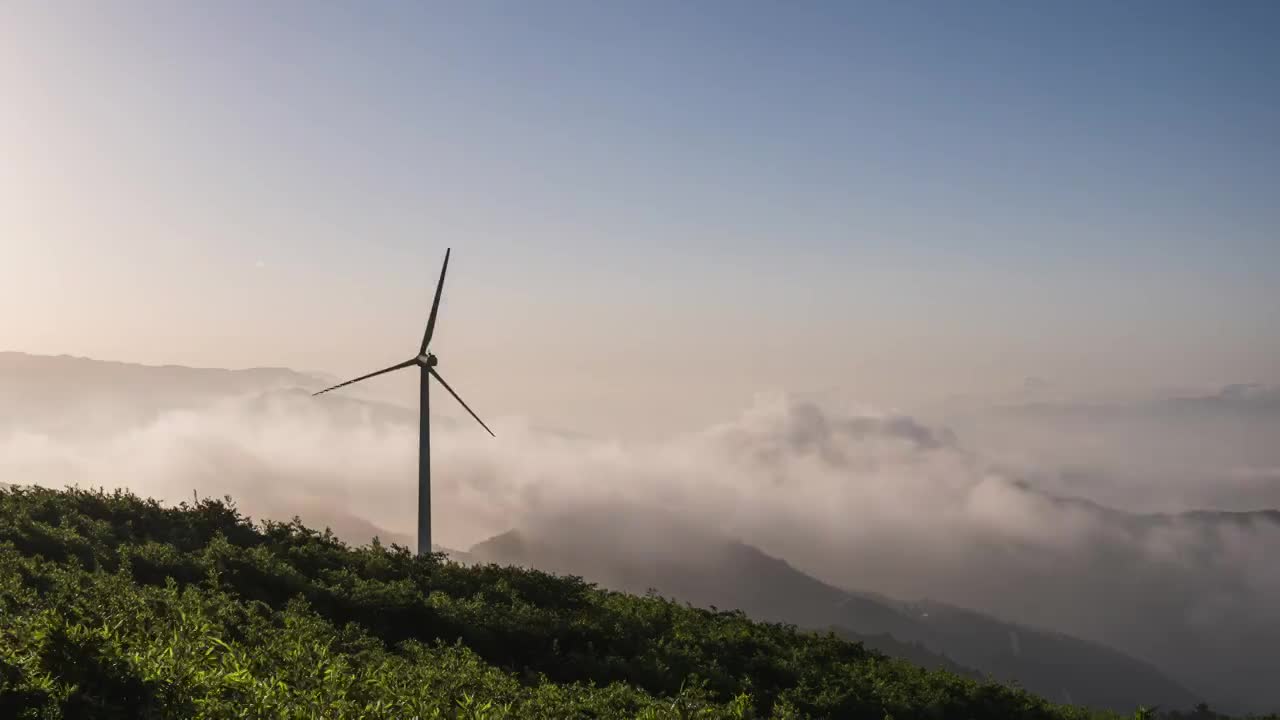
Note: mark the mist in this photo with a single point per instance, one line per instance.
(1211, 449)
(862, 498)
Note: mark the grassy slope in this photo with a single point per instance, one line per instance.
(112, 606)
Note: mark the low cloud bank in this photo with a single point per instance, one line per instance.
(866, 500)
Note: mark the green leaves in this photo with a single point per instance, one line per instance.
(115, 607)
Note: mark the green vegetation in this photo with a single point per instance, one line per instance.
(116, 607)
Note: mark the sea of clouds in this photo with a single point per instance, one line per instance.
(868, 500)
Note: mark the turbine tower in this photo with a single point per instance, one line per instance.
(426, 363)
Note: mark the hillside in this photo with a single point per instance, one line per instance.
(116, 607)
(732, 575)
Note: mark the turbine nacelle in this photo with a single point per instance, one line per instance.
(425, 360)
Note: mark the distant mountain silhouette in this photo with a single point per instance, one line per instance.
(733, 575)
(70, 396)
(1235, 400)
(1207, 520)
(61, 368)
(73, 397)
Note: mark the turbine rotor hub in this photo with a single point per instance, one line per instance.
(427, 360)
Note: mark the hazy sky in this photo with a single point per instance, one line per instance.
(656, 209)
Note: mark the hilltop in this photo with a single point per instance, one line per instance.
(115, 606)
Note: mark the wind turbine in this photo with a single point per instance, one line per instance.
(426, 363)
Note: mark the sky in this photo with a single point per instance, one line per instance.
(657, 210)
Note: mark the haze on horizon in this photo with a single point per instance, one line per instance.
(657, 211)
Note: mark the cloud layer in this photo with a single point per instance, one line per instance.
(864, 499)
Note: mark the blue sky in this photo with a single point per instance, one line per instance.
(969, 192)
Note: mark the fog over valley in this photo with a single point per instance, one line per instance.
(1040, 516)
(658, 360)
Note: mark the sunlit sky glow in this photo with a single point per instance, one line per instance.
(656, 209)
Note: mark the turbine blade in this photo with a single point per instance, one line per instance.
(435, 305)
(455, 397)
(404, 364)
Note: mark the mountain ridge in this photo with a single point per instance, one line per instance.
(741, 577)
